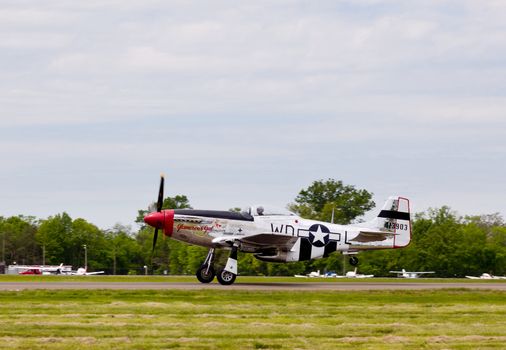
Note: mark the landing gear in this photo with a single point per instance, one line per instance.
(353, 261)
(205, 273)
(227, 276)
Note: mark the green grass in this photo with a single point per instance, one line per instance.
(221, 319)
(240, 279)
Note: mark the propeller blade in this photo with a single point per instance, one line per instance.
(160, 195)
(155, 237)
(159, 205)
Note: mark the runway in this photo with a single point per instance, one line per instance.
(314, 286)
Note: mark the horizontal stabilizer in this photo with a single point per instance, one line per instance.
(373, 236)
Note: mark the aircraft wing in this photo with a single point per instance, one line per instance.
(259, 241)
(264, 240)
(473, 277)
(95, 273)
(373, 236)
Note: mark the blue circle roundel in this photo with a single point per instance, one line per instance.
(319, 235)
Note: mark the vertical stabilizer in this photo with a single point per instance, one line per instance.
(395, 217)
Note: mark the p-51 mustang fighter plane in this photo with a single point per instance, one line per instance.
(277, 235)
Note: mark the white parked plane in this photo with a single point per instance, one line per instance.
(354, 274)
(277, 235)
(312, 274)
(487, 276)
(410, 274)
(83, 272)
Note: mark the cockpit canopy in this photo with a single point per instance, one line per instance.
(267, 210)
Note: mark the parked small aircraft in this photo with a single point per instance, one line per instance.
(487, 276)
(354, 274)
(410, 274)
(349, 274)
(277, 235)
(31, 272)
(83, 272)
(42, 269)
(312, 274)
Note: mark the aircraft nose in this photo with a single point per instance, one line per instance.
(155, 219)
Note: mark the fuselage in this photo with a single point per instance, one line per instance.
(270, 236)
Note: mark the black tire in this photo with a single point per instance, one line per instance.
(204, 277)
(354, 261)
(226, 278)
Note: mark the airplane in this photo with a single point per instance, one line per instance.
(354, 274)
(31, 272)
(349, 274)
(487, 276)
(82, 272)
(409, 274)
(312, 274)
(42, 269)
(276, 235)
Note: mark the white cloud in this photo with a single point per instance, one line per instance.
(257, 90)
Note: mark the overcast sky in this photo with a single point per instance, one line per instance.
(249, 102)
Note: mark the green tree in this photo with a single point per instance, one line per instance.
(321, 197)
(318, 201)
(497, 240)
(124, 254)
(446, 243)
(84, 233)
(18, 243)
(62, 240)
(54, 236)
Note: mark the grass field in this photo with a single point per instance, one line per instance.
(219, 319)
(240, 279)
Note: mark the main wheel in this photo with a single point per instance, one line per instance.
(226, 278)
(205, 275)
(354, 261)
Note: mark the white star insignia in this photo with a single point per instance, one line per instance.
(319, 236)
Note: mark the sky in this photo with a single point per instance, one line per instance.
(248, 102)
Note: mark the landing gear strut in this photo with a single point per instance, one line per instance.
(205, 273)
(353, 261)
(229, 273)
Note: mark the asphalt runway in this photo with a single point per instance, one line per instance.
(313, 286)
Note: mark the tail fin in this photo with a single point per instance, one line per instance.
(395, 217)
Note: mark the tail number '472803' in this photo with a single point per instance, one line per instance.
(396, 226)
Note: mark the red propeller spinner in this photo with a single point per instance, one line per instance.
(160, 219)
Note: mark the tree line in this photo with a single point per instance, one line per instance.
(442, 241)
